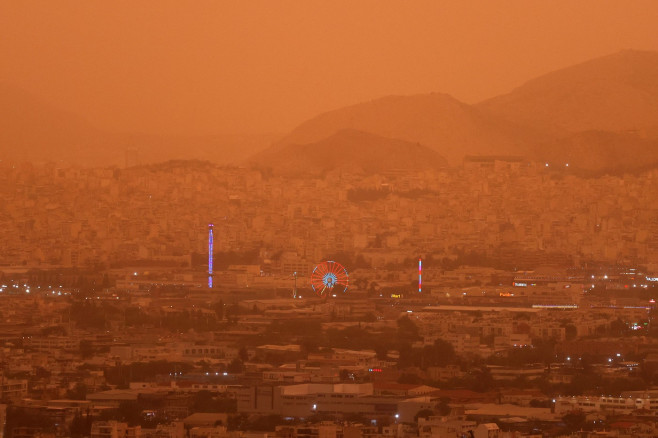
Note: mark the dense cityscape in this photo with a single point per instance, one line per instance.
(521, 324)
(345, 219)
(520, 214)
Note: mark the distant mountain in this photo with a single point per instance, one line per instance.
(600, 115)
(349, 150)
(226, 149)
(617, 93)
(438, 121)
(31, 130)
(601, 151)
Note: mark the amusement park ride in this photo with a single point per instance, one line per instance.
(328, 276)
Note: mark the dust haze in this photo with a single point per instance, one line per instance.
(365, 219)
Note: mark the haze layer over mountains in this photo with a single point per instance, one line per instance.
(31, 130)
(601, 115)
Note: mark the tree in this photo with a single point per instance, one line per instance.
(356, 418)
(17, 417)
(574, 421)
(81, 425)
(445, 352)
(42, 373)
(204, 401)
(79, 392)
(86, 349)
(143, 371)
(232, 313)
(219, 310)
(423, 413)
(236, 366)
(309, 345)
(406, 355)
(267, 422)
(570, 332)
(479, 380)
(55, 330)
(407, 329)
(618, 327)
(128, 411)
(443, 407)
(534, 403)
(243, 354)
(226, 404)
(410, 378)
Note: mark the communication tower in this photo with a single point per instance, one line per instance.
(210, 250)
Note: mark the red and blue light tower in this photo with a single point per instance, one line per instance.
(420, 275)
(210, 250)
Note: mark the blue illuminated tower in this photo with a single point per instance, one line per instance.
(420, 275)
(209, 256)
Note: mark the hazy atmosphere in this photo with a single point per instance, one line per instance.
(227, 67)
(312, 219)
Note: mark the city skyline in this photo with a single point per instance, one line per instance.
(346, 219)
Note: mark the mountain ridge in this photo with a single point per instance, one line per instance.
(588, 114)
(348, 150)
(436, 120)
(617, 92)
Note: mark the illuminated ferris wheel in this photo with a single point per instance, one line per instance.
(328, 276)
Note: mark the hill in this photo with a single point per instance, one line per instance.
(617, 93)
(602, 152)
(600, 115)
(438, 121)
(349, 150)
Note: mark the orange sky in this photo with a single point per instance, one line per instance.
(264, 66)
